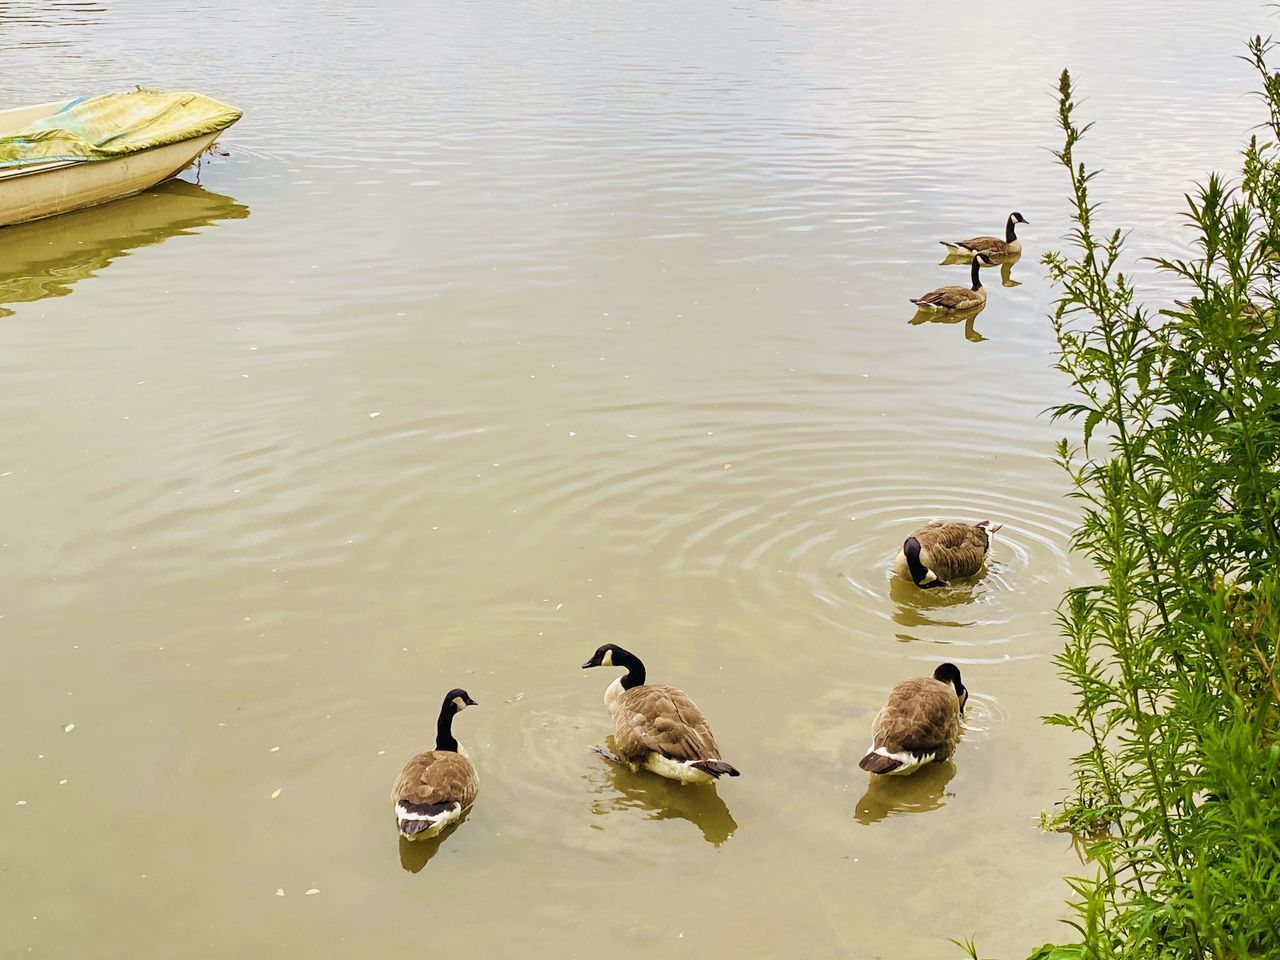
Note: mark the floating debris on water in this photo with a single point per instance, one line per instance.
(275, 793)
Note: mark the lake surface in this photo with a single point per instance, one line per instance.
(506, 329)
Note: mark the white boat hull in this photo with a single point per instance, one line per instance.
(48, 189)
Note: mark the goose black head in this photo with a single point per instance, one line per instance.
(605, 656)
(457, 700)
(949, 673)
(1017, 217)
(921, 576)
(612, 655)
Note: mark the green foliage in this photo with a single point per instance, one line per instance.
(1172, 653)
(1053, 952)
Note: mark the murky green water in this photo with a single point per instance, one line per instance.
(505, 329)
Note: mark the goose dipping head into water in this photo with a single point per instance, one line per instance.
(918, 725)
(944, 550)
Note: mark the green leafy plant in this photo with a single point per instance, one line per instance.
(1172, 652)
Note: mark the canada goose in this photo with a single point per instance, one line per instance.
(943, 550)
(438, 787)
(1253, 318)
(992, 246)
(1248, 308)
(656, 727)
(957, 297)
(919, 724)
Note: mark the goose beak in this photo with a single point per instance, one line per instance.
(588, 665)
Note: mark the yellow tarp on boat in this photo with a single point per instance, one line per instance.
(115, 125)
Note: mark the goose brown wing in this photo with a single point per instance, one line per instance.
(664, 720)
(991, 246)
(954, 549)
(950, 297)
(921, 717)
(436, 777)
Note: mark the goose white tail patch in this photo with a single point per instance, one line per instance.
(676, 769)
(437, 822)
(404, 813)
(910, 762)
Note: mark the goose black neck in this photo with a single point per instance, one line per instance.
(635, 669)
(949, 674)
(1009, 235)
(977, 282)
(444, 728)
(911, 549)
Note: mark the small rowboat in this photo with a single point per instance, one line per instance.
(68, 170)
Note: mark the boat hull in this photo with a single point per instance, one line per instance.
(46, 190)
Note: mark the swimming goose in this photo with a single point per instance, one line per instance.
(1010, 246)
(919, 724)
(438, 787)
(943, 550)
(1253, 318)
(657, 727)
(957, 297)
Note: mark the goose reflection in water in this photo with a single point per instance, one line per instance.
(414, 855)
(914, 607)
(966, 317)
(47, 258)
(663, 799)
(917, 793)
(1005, 264)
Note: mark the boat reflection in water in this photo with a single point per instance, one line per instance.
(47, 258)
(895, 796)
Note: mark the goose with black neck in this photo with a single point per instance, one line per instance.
(954, 298)
(436, 788)
(656, 727)
(919, 725)
(993, 247)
